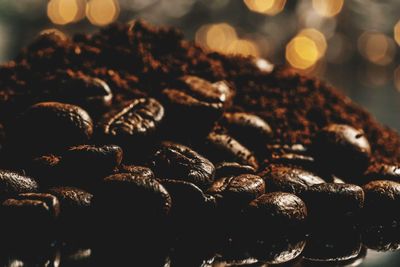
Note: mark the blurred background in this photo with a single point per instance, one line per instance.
(353, 44)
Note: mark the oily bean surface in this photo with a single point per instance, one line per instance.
(175, 161)
(12, 183)
(225, 169)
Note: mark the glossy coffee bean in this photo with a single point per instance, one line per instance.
(342, 150)
(12, 183)
(381, 236)
(222, 147)
(137, 171)
(38, 210)
(178, 162)
(382, 197)
(91, 162)
(278, 250)
(124, 196)
(133, 123)
(382, 172)
(289, 179)
(49, 126)
(225, 169)
(74, 203)
(193, 105)
(304, 161)
(45, 169)
(333, 200)
(329, 243)
(238, 190)
(189, 203)
(278, 210)
(85, 91)
(219, 92)
(248, 128)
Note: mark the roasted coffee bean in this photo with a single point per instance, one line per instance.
(91, 93)
(382, 172)
(137, 171)
(178, 162)
(12, 183)
(382, 197)
(330, 243)
(249, 129)
(45, 169)
(333, 200)
(225, 169)
(74, 203)
(218, 92)
(49, 126)
(278, 210)
(40, 211)
(289, 179)
(342, 150)
(238, 190)
(222, 147)
(277, 250)
(189, 203)
(303, 161)
(381, 236)
(91, 162)
(194, 105)
(124, 197)
(134, 125)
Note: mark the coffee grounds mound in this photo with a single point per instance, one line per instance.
(138, 59)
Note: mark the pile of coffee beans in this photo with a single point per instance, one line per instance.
(94, 132)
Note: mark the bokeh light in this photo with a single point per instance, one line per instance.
(65, 11)
(376, 47)
(216, 37)
(267, 7)
(305, 49)
(396, 78)
(102, 12)
(328, 8)
(397, 32)
(243, 47)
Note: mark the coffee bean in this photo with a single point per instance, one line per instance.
(278, 210)
(382, 172)
(289, 179)
(74, 203)
(49, 126)
(124, 197)
(277, 250)
(12, 183)
(382, 197)
(40, 210)
(189, 203)
(219, 92)
(381, 236)
(342, 150)
(137, 171)
(178, 162)
(225, 169)
(134, 125)
(45, 169)
(91, 93)
(194, 104)
(292, 159)
(333, 200)
(238, 190)
(89, 162)
(222, 147)
(329, 243)
(249, 129)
